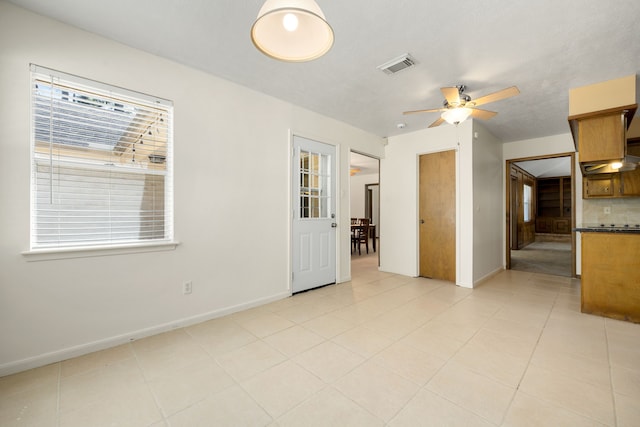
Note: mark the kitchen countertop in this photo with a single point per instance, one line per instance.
(609, 228)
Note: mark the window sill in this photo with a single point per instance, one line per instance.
(96, 251)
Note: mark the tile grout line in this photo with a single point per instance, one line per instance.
(424, 386)
(613, 395)
(58, 394)
(165, 417)
(370, 358)
(573, 411)
(215, 361)
(535, 347)
(245, 391)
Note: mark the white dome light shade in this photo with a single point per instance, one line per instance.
(292, 30)
(456, 115)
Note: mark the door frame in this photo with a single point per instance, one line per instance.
(366, 195)
(369, 209)
(574, 187)
(291, 203)
(513, 213)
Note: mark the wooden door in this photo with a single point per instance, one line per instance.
(438, 216)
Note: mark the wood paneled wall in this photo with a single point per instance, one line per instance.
(525, 230)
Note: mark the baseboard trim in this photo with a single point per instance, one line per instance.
(488, 276)
(344, 279)
(82, 349)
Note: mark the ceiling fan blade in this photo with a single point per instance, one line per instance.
(477, 113)
(433, 110)
(437, 122)
(452, 95)
(497, 96)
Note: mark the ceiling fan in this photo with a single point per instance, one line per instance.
(458, 106)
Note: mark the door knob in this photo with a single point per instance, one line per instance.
(334, 225)
(421, 221)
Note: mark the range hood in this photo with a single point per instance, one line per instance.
(628, 163)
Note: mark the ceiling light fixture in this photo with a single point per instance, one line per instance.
(292, 30)
(456, 115)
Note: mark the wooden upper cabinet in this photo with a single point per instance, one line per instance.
(602, 137)
(613, 185)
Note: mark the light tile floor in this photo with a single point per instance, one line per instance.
(381, 350)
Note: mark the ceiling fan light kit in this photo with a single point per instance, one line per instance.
(457, 115)
(292, 30)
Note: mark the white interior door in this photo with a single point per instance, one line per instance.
(314, 224)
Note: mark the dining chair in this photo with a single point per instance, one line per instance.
(361, 235)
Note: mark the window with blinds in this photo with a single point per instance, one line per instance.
(101, 164)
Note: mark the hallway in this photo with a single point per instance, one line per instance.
(543, 257)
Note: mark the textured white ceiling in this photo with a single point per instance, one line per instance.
(545, 47)
(545, 168)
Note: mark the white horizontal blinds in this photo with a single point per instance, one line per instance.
(101, 164)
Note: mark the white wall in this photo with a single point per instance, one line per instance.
(555, 144)
(399, 175)
(357, 186)
(488, 216)
(232, 166)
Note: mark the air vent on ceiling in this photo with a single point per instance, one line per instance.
(398, 64)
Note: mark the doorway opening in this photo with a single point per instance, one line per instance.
(364, 204)
(540, 204)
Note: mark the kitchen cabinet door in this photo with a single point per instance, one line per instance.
(598, 186)
(610, 275)
(602, 137)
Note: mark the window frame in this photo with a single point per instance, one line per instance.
(38, 250)
(527, 202)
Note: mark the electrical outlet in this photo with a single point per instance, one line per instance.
(187, 288)
(607, 210)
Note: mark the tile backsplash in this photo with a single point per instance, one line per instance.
(623, 211)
